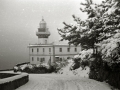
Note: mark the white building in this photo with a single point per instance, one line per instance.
(43, 52)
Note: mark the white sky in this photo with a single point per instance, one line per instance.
(19, 20)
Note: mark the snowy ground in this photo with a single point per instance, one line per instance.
(78, 72)
(61, 82)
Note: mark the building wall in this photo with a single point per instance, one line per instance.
(65, 50)
(40, 52)
(36, 61)
(64, 54)
(43, 41)
(52, 51)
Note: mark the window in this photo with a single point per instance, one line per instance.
(75, 49)
(43, 50)
(37, 58)
(60, 49)
(42, 60)
(60, 59)
(37, 49)
(68, 57)
(49, 49)
(68, 49)
(32, 49)
(32, 58)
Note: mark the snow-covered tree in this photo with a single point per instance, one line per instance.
(111, 28)
(85, 32)
(101, 26)
(100, 29)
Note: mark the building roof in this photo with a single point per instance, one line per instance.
(51, 45)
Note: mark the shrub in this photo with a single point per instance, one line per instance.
(76, 64)
(104, 71)
(27, 69)
(83, 64)
(59, 64)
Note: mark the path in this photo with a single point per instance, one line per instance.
(60, 82)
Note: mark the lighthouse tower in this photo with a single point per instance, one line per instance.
(43, 33)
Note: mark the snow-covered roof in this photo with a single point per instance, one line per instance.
(49, 45)
(40, 45)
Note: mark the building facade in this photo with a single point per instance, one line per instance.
(43, 52)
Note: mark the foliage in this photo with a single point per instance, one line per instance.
(60, 64)
(41, 68)
(103, 71)
(35, 68)
(76, 64)
(110, 49)
(100, 30)
(90, 31)
(101, 27)
(82, 59)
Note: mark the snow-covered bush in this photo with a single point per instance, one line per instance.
(15, 68)
(43, 65)
(40, 68)
(85, 54)
(60, 64)
(78, 71)
(110, 49)
(82, 59)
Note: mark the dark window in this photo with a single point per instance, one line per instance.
(60, 59)
(49, 49)
(60, 49)
(75, 49)
(32, 58)
(68, 49)
(32, 50)
(37, 49)
(43, 50)
(37, 58)
(42, 60)
(68, 57)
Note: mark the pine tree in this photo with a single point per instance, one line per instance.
(102, 27)
(85, 32)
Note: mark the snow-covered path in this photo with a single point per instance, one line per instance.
(61, 82)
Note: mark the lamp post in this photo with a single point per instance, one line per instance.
(49, 60)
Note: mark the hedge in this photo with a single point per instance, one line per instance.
(11, 83)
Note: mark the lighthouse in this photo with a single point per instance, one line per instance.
(43, 33)
(46, 52)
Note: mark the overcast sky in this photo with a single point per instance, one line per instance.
(19, 20)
